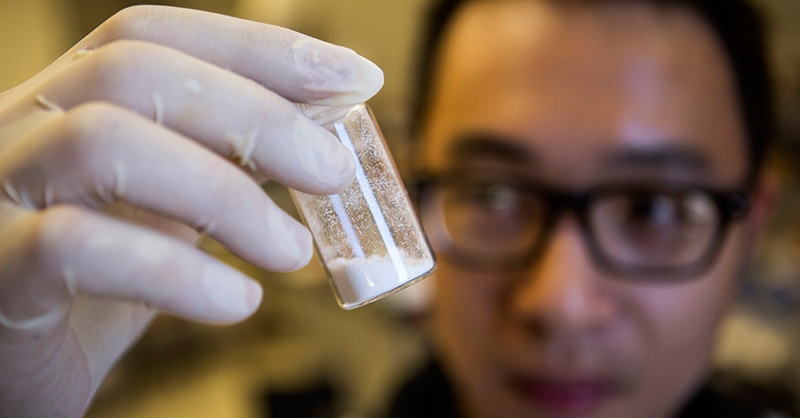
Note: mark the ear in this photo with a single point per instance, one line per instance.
(762, 204)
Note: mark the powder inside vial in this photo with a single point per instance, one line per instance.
(360, 280)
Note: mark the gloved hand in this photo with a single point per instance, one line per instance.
(158, 125)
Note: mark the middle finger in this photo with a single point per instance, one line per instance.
(233, 116)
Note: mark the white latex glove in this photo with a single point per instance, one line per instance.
(157, 125)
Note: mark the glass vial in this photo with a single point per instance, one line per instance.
(368, 237)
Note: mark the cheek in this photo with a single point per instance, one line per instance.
(463, 310)
(678, 328)
(693, 309)
(679, 310)
(465, 314)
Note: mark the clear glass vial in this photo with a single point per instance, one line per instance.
(368, 237)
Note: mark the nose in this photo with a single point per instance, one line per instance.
(563, 293)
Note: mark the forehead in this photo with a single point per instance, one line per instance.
(572, 81)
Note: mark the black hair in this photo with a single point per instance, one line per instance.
(736, 23)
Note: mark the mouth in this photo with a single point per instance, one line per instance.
(567, 397)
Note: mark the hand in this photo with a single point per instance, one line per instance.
(155, 127)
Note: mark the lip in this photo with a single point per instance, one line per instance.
(563, 396)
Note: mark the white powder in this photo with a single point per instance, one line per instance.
(359, 281)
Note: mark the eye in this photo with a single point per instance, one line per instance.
(487, 211)
(485, 219)
(493, 197)
(666, 210)
(656, 227)
(654, 210)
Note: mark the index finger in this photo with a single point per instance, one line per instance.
(298, 67)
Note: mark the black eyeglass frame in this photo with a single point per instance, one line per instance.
(731, 204)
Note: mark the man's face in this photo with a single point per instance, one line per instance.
(583, 96)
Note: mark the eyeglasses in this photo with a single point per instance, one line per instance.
(502, 223)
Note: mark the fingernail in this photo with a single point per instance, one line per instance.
(231, 291)
(338, 74)
(321, 155)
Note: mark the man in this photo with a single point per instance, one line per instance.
(591, 181)
(589, 175)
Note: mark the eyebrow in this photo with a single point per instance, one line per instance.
(666, 157)
(491, 146)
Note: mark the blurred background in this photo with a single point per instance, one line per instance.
(301, 355)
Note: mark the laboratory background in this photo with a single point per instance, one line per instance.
(301, 355)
